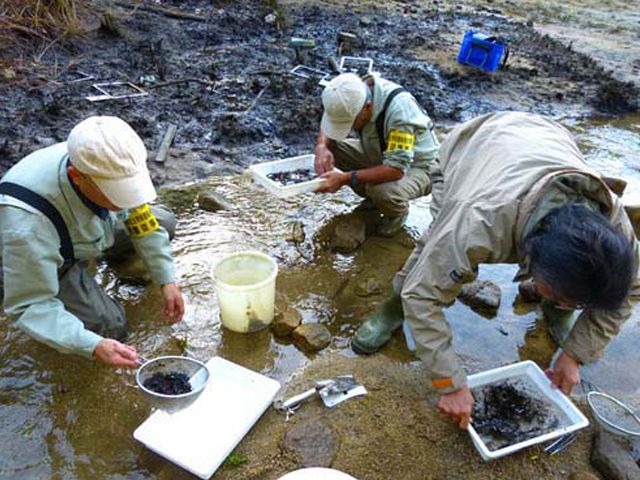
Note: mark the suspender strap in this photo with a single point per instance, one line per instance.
(380, 119)
(48, 210)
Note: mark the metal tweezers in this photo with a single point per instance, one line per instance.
(564, 441)
(561, 443)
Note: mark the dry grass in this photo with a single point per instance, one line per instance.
(23, 21)
(29, 28)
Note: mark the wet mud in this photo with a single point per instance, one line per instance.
(224, 79)
(510, 412)
(171, 383)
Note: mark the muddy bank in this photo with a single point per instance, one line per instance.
(240, 106)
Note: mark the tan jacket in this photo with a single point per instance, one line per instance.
(498, 175)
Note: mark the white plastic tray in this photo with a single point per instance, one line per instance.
(199, 437)
(261, 170)
(556, 397)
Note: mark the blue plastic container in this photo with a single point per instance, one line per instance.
(482, 51)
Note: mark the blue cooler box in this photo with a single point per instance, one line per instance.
(482, 51)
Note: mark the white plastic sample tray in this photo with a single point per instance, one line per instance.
(199, 437)
(576, 420)
(261, 170)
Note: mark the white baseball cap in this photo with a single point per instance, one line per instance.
(342, 98)
(112, 154)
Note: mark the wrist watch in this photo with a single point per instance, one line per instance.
(354, 178)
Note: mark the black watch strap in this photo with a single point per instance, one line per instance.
(354, 178)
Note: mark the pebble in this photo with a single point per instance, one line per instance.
(483, 294)
(213, 202)
(285, 322)
(312, 336)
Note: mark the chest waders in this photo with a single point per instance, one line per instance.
(78, 290)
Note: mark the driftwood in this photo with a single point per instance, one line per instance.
(243, 112)
(161, 156)
(177, 81)
(167, 12)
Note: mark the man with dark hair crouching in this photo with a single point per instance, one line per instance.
(513, 187)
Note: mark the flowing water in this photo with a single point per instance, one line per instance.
(64, 417)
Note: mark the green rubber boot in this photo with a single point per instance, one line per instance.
(377, 330)
(366, 205)
(392, 225)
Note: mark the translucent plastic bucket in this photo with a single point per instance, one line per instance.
(246, 287)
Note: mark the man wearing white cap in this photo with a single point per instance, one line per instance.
(65, 205)
(388, 163)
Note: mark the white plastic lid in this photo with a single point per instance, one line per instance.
(317, 473)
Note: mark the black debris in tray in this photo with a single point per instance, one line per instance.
(172, 383)
(506, 413)
(292, 177)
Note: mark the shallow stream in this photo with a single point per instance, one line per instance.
(64, 417)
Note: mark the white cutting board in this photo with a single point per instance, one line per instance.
(199, 437)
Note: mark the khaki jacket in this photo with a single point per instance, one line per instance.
(405, 120)
(498, 176)
(30, 249)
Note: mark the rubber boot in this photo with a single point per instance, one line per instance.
(377, 330)
(366, 205)
(392, 225)
(560, 322)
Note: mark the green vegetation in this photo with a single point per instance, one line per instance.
(234, 460)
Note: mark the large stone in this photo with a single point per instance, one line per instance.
(213, 202)
(314, 443)
(481, 294)
(285, 322)
(528, 293)
(368, 287)
(612, 457)
(349, 232)
(312, 336)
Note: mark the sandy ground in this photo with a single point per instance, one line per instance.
(393, 433)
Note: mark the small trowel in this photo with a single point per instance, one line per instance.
(332, 391)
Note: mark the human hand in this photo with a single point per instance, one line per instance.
(565, 373)
(332, 182)
(324, 161)
(457, 405)
(173, 309)
(111, 352)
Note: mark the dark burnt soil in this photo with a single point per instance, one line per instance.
(252, 110)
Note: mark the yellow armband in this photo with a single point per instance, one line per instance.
(141, 222)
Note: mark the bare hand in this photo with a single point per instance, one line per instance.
(457, 405)
(116, 354)
(173, 309)
(324, 160)
(332, 182)
(565, 374)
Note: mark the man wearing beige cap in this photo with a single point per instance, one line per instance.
(389, 161)
(65, 205)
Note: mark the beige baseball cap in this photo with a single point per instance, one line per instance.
(342, 98)
(109, 151)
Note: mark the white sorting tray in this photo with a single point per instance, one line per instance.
(199, 437)
(534, 373)
(261, 170)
